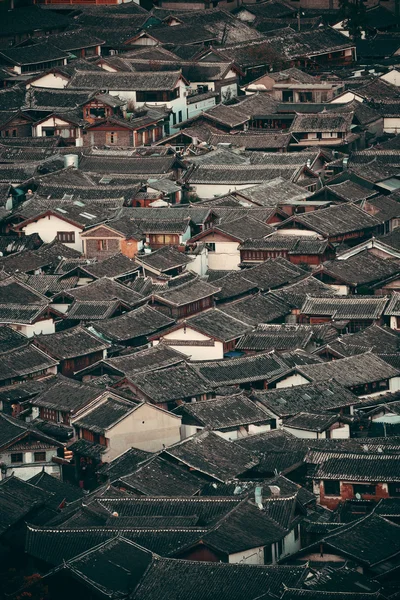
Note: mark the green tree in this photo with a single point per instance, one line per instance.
(353, 15)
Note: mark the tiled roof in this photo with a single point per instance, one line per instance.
(346, 307)
(309, 421)
(120, 81)
(184, 382)
(322, 122)
(337, 220)
(160, 477)
(90, 310)
(258, 309)
(241, 370)
(66, 395)
(359, 467)
(211, 455)
(187, 292)
(71, 343)
(352, 371)
(222, 413)
(141, 322)
(319, 396)
(105, 415)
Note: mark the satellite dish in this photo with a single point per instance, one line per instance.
(358, 496)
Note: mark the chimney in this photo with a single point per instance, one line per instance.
(258, 498)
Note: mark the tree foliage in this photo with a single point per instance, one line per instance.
(353, 15)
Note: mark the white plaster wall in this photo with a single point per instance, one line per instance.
(391, 124)
(291, 545)
(341, 433)
(292, 380)
(254, 429)
(198, 107)
(342, 290)
(46, 326)
(50, 80)
(225, 257)
(254, 556)
(147, 428)
(47, 227)
(298, 232)
(393, 322)
(345, 98)
(209, 190)
(394, 384)
(63, 308)
(25, 472)
(53, 122)
(196, 353)
(199, 263)
(303, 434)
(392, 77)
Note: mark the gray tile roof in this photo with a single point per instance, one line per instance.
(245, 369)
(358, 467)
(337, 220)
(320, 396)
(106, 415)
(346, 307)
(351, 371)
(183, 382)
(71, 343)
(211, 455)
(222, 413)
(141, 322)
(309, 421)
(121, 81)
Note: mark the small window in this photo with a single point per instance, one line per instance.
(40, 456)
(394, 489)
(332, 488)
(179, 116)
(17, 458)
(102, 245)
(362, 488)
(296, 532)
(210, 247)
(112, 137)
(66, 237)
(174, 118)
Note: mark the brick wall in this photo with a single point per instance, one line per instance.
(129, 248)
(347, 493)
(92, 249)
(98, 137)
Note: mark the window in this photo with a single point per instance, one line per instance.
(111, 137)
(394, 489)
(210, 247)
(363, 488)
(39, 456)
(179, 116)
(332, 488)
(174, 118)
(67, 237)
(267, 555)
(296, 532)
(102, 245)
(279, 547)
(17, 458)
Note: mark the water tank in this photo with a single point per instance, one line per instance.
(71, 160)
